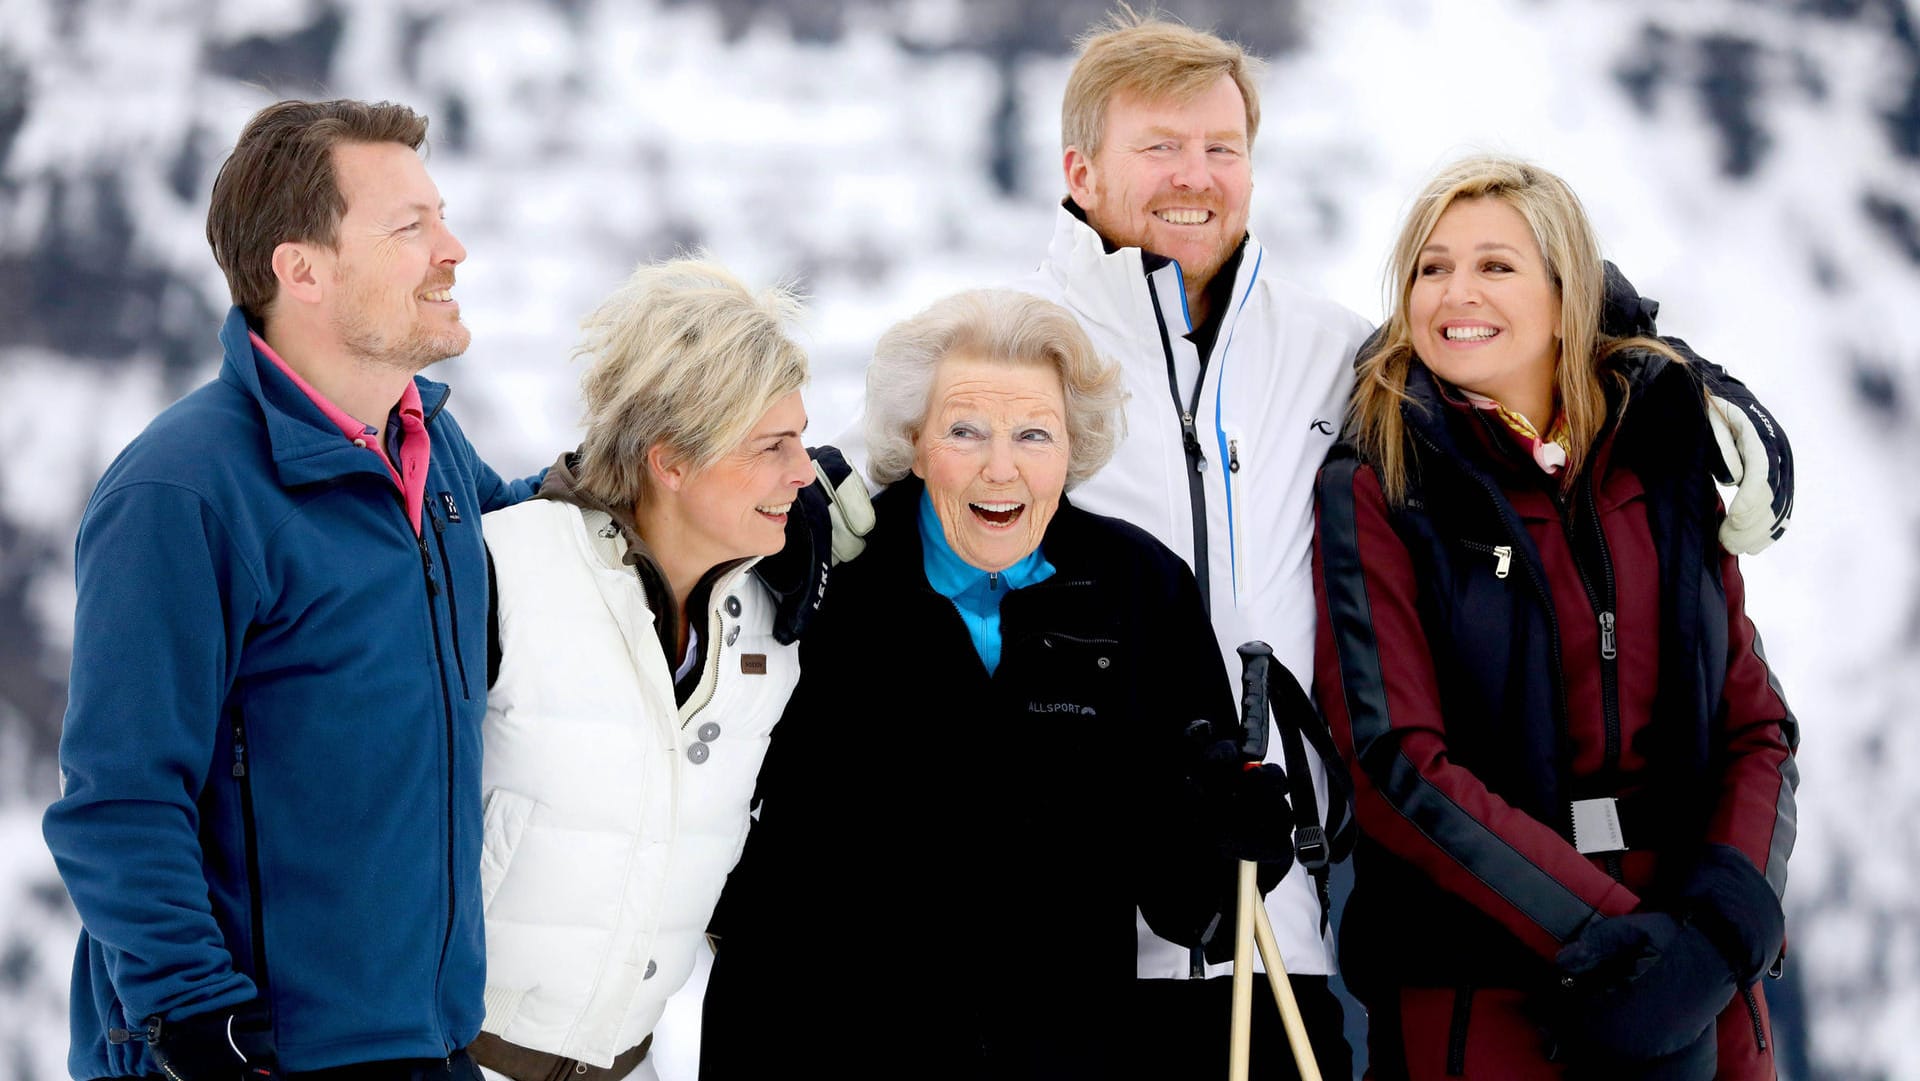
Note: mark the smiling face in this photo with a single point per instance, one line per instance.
(1171, 178)
(391, 271)
(993, 451)
(1484, 311)
(738, 506)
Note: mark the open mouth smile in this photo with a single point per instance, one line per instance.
(775, 511)
(997, 515)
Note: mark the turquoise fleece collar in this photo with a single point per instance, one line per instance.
(975, 593)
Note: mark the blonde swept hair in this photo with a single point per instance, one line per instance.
(1571, 252)
(1155, 59)
(682, 355)
(1000, 325)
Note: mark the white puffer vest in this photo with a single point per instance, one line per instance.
(612, 815)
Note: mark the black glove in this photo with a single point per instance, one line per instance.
(1734, 906)
(828, 525)
(1240, 812)
(1243, 810)
(1639, 988)
(223, 1045)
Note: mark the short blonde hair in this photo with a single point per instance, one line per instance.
(1571, 252)
(1002, 325)
(1156, 59)
(682, 355)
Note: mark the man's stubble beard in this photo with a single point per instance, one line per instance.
(420, 347)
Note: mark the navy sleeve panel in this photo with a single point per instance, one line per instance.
(1388, 722)
(1756, 735)
(161, 610)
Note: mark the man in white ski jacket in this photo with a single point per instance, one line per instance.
(1238, 384)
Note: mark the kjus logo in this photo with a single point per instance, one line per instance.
(1321, 426)
(1061, 707)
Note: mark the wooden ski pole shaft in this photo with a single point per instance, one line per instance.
(1239, 1054)
(1296, 1026)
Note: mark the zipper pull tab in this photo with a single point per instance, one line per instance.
(1608, 646)
(993, 581)
(426, 568)
(1233, 456)
(1502, 560)
(239, 751)
(1190, 437)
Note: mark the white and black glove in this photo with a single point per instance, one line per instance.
(828, 525)
(1757, 461)
(847, 503)
(1756, 458)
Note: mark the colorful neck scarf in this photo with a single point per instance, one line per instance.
(1549, 452)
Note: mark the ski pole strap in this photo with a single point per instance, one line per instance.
(1314, 848)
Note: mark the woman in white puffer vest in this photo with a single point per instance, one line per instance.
(638, 675)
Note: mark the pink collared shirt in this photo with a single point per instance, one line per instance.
(415, 447)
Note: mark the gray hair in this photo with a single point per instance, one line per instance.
(998, 324)
(686, 356)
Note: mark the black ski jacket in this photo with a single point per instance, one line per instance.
(943, 877)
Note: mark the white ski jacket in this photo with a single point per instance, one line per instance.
(1268, 408)
(612, 815)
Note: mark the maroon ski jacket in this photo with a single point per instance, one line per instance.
(1494, 651)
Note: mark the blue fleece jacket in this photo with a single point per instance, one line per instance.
(271, 761)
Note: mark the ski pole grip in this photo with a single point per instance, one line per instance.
(1255, 657)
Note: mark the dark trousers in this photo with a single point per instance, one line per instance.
(1183, 1028)
(455, 1067)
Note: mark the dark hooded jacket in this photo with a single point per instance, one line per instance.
(1001, 829)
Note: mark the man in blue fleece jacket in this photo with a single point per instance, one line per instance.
(270, 810)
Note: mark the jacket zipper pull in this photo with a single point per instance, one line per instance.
(426, 568)
(993, 581)
(1191, 437)
(1502, 560)
(239, 750)
(1233, 456)
(1608, 648)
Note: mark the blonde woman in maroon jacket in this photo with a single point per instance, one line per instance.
(1574, 772)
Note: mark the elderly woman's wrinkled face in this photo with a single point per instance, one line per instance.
(993, 451)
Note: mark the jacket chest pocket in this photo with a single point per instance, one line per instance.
(1072, 688)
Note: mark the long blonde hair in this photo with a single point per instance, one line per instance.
(1572, 253)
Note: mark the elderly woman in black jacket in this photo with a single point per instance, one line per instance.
(992, 756)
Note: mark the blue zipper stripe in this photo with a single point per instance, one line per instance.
(1220, 433)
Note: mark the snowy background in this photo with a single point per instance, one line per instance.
(1754, 164)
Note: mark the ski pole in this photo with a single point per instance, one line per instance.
(1254, 658)
(1252, 921)
(1296, 1026)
